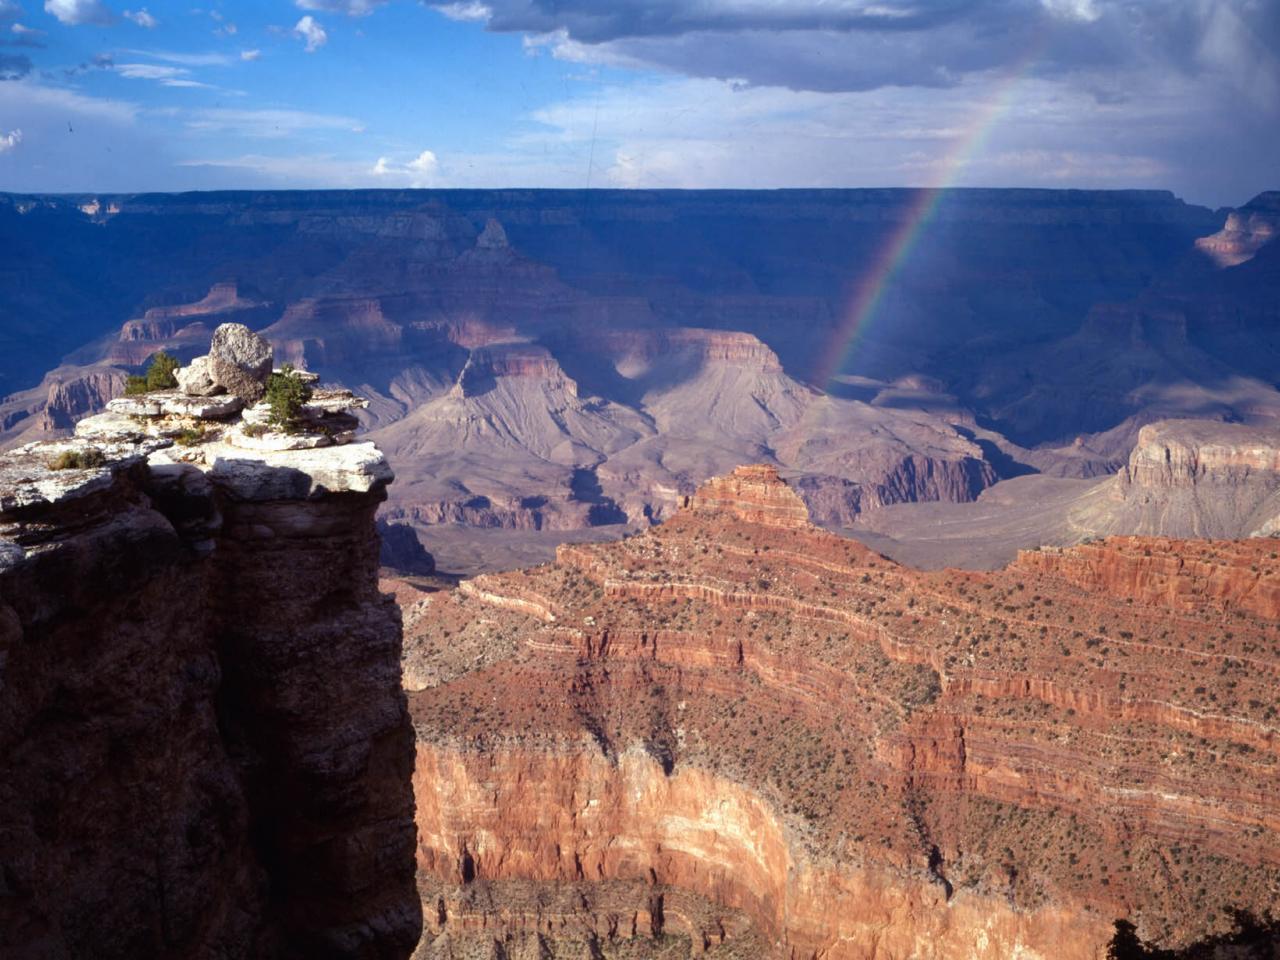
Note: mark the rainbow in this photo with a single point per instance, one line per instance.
(882, 269)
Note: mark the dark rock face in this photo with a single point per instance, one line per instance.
(204, 747)
(402, 550)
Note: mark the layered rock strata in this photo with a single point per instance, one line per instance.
(1192, 478)
(204, 749)
(860, 759)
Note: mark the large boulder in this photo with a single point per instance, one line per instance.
(240, 361)
(196, 378)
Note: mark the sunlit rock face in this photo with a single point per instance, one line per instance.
(1246, 231)
(204, 748)
(819, 753)
(1191, 478)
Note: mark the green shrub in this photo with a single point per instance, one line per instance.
(286, 395)
(78, 460)
(189, 438)
(254, 429)
(159, 376)
(160, 373)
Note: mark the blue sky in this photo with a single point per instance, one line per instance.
(100, 95)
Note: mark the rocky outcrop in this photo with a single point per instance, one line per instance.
(860, 759)
(71, 399)
(1184, 453)
(754, 494)
(560, 817)
(1191, 478)
(204, 750)
(1171, 574)
(239, 361)
(486, 364)
(1245, 231)
(634, 352)
(184, 327)
(196, 378)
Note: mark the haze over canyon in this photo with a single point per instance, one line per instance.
(554, 363)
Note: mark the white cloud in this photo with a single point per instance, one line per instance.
(309, 29)
(352, 8)
(304, 170)
(75, 143)
(1084, 11)
(142, 18)
(210, 59)
(161, 73)
(23, 31)
(10, 140)
(691, 133)
(149, 71)
(466, 10)
(250, 54)
(73, 13)
(421, 171)
(267, 124)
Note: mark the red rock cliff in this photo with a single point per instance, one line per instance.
(860, 759)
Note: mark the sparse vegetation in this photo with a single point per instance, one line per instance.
(78, 459)
(190, 437)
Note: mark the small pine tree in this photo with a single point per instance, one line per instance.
(160, 373)
(286, 395)
(159, 376)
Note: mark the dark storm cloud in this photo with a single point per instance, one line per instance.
(1103, 92)
(592, 22)
(862, 44)
(14, 66)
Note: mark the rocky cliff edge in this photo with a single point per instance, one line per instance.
(204, 747)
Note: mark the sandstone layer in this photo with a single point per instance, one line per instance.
(859, 759)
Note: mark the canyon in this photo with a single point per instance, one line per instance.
(1029, 695)
(811, 751)
(553, 365)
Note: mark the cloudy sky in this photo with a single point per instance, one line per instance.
(118, 95)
